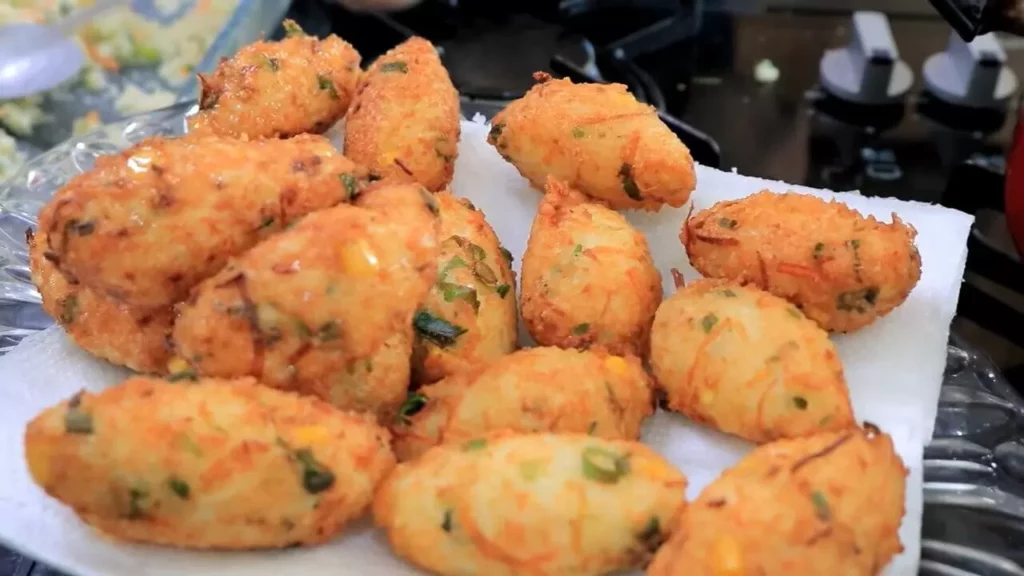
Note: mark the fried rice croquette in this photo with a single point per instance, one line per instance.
(302, 308)
(405, 122)
(533, 504)
(220, 464)
(599, 139)
(469, 316)
(531, 390)
(827, 504)
(301, 84)
(144, 226)
(588, 277)
(842, 269)
(748, 363)
(104, 328)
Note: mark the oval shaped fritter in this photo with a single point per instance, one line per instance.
(842, 269)
(599, 139)
(220, 464)
(144, 226)
(469, 316)
(299, 85)
(534, 504)
(827, 504)
(531, 390)
(588, 277)
(748, 363)
(318, 298)
(405, 122)
(104, 328)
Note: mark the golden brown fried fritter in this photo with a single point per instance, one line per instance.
(842, 269)
(101, 326)
(827, 504)
(301, 84)
(469, 316)
(532, 390)
(748, 363)
(221, 464)
(144, 226)
(535, 504)
(588, 277)
(598, 139)
(319, 298)
(405, 122)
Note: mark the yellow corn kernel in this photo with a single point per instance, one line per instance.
(653, 468)
(311, 435)
(177, 365)
(707, 397)
(727, 557)
(359, 260)
(388, 158)
(617, 365)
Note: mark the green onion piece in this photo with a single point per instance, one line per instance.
(477, 252)
(577, 250)
(137, 503)
(315, 476)
(452, 292)
(351, 185)
(272, 64)
(604, 466)
(179, 487)
(325, 83)
(592, 428)
(77, 421)
(69, 310)
(821, 507)
(628, 183)
(708, 322)
(292, 29)
(304, 331)
(474, 445)
(800, 402)
(578, 132)
(650, 537)
(266, 222)
(453, 264)
(436, 330)
(485, 273)
(496, 130)
(328, 331)
(727, 223)
(507, 255)
(396, 66)
(819, 248)
(503, 290)
(446, 524)
(728, 293)
(794, 313)
(581, 329)
(412, 405)
(186, 374)
(857, 300)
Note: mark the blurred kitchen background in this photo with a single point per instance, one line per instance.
(741, 81)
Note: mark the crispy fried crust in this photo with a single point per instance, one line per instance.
(588, 277)
(103, 327)
(842, 269)
(405, 122)
(144, 226)
(534, 504)
(475, 292)
(531, 390)
(320, 299)
(299, 85)
(828, 504)
(747, 363)
(218, 464)
(599, 139)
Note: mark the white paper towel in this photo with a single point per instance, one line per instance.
(894, 368)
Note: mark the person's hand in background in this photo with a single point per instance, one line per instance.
(377, 5)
